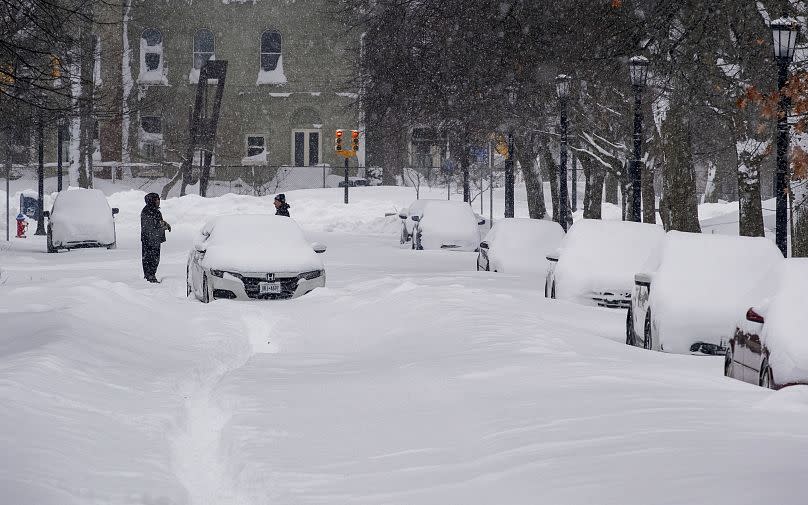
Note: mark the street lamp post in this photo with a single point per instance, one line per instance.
(510, 182)
(639, 76)
(784, 32)
(40, 172)
(563, 92)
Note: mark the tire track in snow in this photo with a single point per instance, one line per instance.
(199, 460)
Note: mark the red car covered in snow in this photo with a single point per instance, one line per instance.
(770, 345)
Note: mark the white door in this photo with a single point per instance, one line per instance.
(306, 148)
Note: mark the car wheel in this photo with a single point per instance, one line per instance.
(648, 333)
(113, 245)
(552, 291)
(631, 338)
(418, 246)
(205, 290)
(49, 241)
(478, 265)
(766, 380)
(729, 363)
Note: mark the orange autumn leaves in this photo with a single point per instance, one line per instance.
(796, 90)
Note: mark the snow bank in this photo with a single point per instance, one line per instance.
(82, 215)
(521, 245)
(257, 243)
(598, 256)
(784, 332)
(449, 223)
(703, 283)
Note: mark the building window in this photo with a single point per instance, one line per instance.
(151, 137)
(151, 47)
(204, 47)
(151, 124)
(270, 50)
(256, 145)
(306, 148)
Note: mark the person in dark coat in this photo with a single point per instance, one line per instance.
(152, 235)
(281, 207)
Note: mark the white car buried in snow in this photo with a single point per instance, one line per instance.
(80, 218)
(446, 224)
(692, 302)
(519, 246)
(597, 261)
(406, 215)
(253, 257)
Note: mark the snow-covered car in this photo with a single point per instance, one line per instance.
(692, 301)
(416, 208)
(770, 347)
(80, 218)
(519, 246)
(446, 224)
(253, 257)
(597, 260)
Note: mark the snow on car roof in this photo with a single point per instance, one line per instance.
(784, 333)
(257, 243)
(597, 255)
(86, 199)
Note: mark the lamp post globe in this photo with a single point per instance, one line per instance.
(784, 35)
(563, 86)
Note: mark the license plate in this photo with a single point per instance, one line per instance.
(269, 288)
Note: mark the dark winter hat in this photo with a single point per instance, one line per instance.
(151, 198)
(280, 197)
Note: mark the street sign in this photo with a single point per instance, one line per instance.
(480, 154)
(448, 166)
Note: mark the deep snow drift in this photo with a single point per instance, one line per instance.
(410, 379)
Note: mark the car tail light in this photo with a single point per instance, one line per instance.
(754, 317)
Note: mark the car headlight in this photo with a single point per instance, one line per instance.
(311, 275)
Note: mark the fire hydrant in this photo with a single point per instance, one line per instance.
(22, 225)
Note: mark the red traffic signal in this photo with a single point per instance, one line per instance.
(354, 140)
(338, 140)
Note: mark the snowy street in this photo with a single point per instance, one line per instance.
(410, 379)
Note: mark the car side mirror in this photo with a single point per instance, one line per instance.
(115, 210)
(481, 222)
(200, 247)
(483, 245)
(642, 279)
(46, 214)
(318, 247)
(552, 257)
(402, 215)
(754, 317)
(416, 218)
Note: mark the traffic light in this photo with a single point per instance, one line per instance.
(338, 141)
(354, 140)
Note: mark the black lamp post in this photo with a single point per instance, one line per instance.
(639, 76)
(784, 31)
(563, 92)
(510, 181)
(40, 172)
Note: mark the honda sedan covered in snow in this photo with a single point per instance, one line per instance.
(446, 224)
(253, 257)
(597, 260)
(691, 303)
(80, 218)
(519, 246)
(770, 346)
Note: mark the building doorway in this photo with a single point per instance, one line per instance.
(306, 147)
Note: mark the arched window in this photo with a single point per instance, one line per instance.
(204, 47)
(270, 50)
(151, 50)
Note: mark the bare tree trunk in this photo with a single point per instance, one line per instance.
(678, 206)
(750, 207)
(648, 192)
(799, 238)
(593, 193)
(528, 159)
(611, 193)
